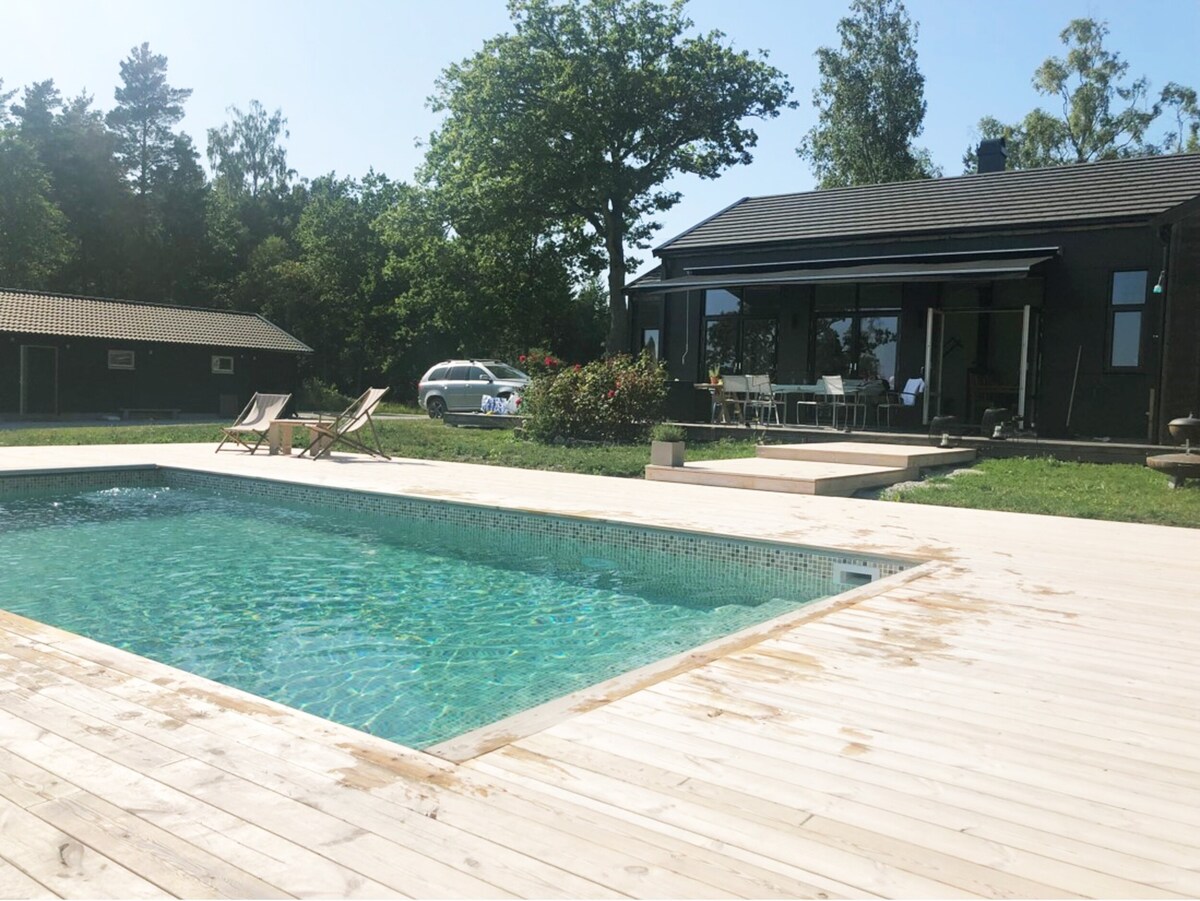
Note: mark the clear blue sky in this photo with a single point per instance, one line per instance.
(352, 77)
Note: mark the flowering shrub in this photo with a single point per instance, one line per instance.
(537, 362)
(617, 399)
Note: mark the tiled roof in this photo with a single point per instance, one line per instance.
(127, 320)
(1115, 190)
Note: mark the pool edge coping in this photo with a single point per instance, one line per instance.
(484, 739)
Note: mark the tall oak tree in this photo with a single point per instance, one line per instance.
(574, 121)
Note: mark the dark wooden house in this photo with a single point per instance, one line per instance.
(1069, 296)
(67, 355)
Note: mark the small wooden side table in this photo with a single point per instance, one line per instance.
(279, 434)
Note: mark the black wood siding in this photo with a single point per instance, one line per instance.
(166, 376)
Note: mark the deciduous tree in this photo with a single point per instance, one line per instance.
(871, 101)
(1101, 114)
(34, 245)
(247, 153)
(573, 122)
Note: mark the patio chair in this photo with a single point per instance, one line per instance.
(907, 398)
(843, 398)
(816, 400)
(760, 397)
(326, 435)
(250, 429)
(736, 388)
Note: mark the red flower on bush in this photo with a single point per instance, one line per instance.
(521, 359)
(550, 361)
(612, 394)
(577, 367)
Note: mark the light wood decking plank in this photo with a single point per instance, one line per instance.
(15, 884)
(178, 867)
(287, 865)
(787, 846)
(953, 833)
(977, 684)
(789, 808)
(1044, 772)
(64, 865)
(357, 849)
(743, 755)
(829, 718)
(852, 753)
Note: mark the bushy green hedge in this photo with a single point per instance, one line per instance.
(616, 399)
(315, 394)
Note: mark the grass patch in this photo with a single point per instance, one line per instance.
(424, 439)
(180, 433)
(1113, 491)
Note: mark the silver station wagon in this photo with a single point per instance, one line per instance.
(462, 385)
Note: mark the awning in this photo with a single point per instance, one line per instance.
(992, 269)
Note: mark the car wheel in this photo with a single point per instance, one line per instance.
(435, 407)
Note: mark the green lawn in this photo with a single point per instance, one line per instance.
(1121, 492)
(422, 438)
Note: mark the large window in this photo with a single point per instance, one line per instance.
(856, 331)
(741, 329)
(1127, 301)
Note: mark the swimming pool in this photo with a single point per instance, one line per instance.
(414, 620)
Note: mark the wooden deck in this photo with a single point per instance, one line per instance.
(1021, 719)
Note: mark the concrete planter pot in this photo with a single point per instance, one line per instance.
(666, 453)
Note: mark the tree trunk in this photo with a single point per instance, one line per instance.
(618, 323)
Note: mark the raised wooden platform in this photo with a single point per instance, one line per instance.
(835, 469)
(896, 456)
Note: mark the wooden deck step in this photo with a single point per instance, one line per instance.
(793, 476)
(898, 456)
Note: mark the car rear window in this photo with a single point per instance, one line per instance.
(457, 374)
(437, 374)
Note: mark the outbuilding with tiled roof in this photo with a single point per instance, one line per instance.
(65, 354)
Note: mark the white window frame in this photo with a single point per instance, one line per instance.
(122, 359)
(217, 368)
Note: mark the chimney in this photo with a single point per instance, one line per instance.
(992, 156)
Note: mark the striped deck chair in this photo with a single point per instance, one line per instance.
(326, 435)
(249, 430)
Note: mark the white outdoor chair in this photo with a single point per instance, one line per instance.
(816, 400)
(841, 398)
(760, 397)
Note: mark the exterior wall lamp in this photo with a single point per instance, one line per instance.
(1162, 282)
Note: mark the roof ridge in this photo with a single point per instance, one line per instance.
(944, 179)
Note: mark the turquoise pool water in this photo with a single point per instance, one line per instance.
(413, 630)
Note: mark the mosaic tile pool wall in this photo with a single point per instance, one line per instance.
(766, 563)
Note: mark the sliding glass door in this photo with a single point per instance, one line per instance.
(741, 329)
